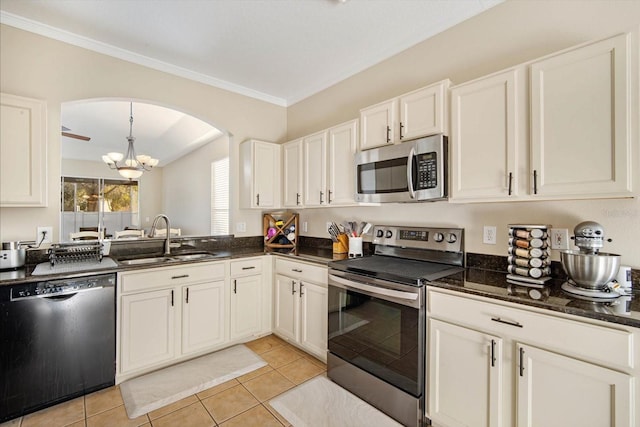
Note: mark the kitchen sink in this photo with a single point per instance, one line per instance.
(169, 258)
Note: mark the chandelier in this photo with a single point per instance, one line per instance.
(130, 165)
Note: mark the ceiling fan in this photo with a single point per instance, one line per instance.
(65, 132)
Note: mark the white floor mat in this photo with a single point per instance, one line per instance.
(322, 403)
(160, 388)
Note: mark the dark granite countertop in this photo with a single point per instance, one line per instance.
(624, 310)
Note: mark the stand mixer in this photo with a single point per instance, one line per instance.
(590, 271)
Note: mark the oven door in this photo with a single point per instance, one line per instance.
(379, 327)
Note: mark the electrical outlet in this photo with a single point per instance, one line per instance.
(559, 238)
(241, 227)
(489, 235)
(48, 235)
(305, 226)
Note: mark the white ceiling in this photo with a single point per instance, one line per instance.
(161, 133)
(280, 51)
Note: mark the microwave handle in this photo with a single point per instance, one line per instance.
(410, 157)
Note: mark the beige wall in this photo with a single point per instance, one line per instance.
(187, 188)
(506, 35)
(42, 68)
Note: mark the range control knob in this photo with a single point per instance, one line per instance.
(388, 234)
(438, 237)
(380, 233)
(452, 238)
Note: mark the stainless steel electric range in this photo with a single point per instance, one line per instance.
(377, 325)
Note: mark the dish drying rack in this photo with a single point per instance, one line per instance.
(65, 253)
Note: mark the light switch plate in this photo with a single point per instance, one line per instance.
(559, 238)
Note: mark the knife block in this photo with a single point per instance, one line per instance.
(342, 245)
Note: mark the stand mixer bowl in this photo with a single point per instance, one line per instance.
(590, 271)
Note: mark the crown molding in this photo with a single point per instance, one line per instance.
(109, 50)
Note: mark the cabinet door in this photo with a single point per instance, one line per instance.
(315, 169)
(313, 318)
(342, 146)
(555, 390)
(266, 174)
(148, 328)
(246, 306)
(377, 124)
(423, 112)
(484, 138)
(465, 376)
(203, 316)
(23, 152)
(286, 307)
(580, 121)
(292, 170)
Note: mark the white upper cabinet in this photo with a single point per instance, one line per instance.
(486, 132)
(580, 120)
(556, 128)
(378, 124)
(342, 145)
(319, 169)
(259, 175)
(424, 112)
(418, 113)
(315, 166)
(23, 152)
(292, 173)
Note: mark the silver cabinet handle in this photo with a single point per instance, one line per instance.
(507, 322)
(293, 287)
(493, 353)
(321, 195)
(186, 299)
(297, 270)
(301, 286)
(182, 276)
(235, 286)
(249, 268)
(401, 127)
(388, 134)
(329, 199)
(510, 181)
(297, 198)
(521, 362)
(171, 297)
(258, 199)
(535, 181)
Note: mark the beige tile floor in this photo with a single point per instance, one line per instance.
(239, 402)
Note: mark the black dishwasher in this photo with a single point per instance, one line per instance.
(57, 341)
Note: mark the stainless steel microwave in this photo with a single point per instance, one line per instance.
(413, 171)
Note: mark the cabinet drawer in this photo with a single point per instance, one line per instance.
(302, 271)
(608, 346)
(246, 267)
(170, 276)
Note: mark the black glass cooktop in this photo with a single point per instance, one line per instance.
(400, 270)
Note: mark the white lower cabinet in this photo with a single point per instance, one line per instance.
(168, 314)
(465, 372)
(247, 299)
(496, 364)
(203, 316)
(556, 390)
(300, 305)
(147, 330)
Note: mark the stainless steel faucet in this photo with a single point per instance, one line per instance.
(167, 241)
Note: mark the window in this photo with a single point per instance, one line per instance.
(220, 197)
(95, 202)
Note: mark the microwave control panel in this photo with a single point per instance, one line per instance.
(427, 164)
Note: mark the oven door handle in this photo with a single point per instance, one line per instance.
(374, 290)
(410, 157)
